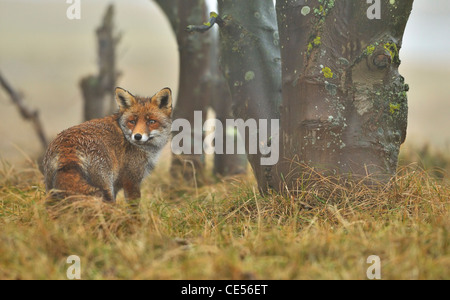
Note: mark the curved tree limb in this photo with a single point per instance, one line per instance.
(214, 18)
(25, 111)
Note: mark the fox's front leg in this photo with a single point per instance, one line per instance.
(132, 191)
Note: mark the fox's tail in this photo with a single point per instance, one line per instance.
(69, 181)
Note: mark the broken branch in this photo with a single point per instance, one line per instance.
(25, 111)
(214, 19)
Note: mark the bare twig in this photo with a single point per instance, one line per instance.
(214, 19)
(25, 111)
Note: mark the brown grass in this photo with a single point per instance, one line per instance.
(228, 231)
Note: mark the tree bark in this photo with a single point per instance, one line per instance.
(251, 65)
(344, 105)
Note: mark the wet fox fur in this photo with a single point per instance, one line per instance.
(101, 157)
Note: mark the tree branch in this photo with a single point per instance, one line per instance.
(214, 19)
(25, 111)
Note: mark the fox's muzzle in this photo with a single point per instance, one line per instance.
(138, 137)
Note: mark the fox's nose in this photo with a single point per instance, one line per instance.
(138, 136)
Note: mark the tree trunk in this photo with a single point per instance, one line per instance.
(200, 87)
(344, 105)
(98, 90)
(251, 65)
(224, 164)
(192, 95)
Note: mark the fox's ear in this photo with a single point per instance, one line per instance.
(163, 99)
(124, 98)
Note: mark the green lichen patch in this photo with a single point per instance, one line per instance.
(249, 76)
(315, 43)
(393, 51)
(370, 49)
(324, 8)
(394, 108)
(327, 73)
(306, 10)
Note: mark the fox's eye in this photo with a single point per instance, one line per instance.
(132, 122)
(151, 122)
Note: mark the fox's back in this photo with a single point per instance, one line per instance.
(97, 144)
(89, 137)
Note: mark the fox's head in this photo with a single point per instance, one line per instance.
(145, 122)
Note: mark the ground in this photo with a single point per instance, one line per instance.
(226, 230)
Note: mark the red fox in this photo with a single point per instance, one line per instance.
(101, 157)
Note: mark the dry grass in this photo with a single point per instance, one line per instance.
(228, 231)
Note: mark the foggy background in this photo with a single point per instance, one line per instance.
(44, 55)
